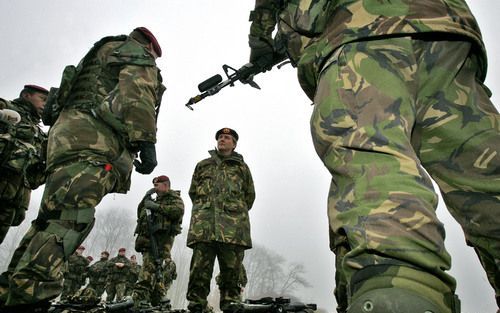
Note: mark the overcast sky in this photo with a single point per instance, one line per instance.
(197, 36)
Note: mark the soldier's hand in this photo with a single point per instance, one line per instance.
(150, 192)
(119, 264)
(10, 116)
(261, 53)
(150, 204)
(147, 156)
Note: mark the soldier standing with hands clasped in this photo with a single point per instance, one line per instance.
(222, 193)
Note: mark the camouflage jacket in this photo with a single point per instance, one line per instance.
(23, 146)
(312, 29)
(166, 220)
(98, 272)
(76, 270)
(133, 274)
(109, 109)
(118, 274)
(222, 193)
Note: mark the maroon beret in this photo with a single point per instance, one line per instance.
(105, 252)
(161, 179)
(90, 258)
(36, 88)
(122, 250)
(227, 131)
(80, 248)
(149, 35)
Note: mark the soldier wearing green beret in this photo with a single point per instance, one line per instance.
(22, 154)
(222, 193)
(107, 117)
(397, 87)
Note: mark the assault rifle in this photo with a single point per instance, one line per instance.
(244, 74)
(277, 305)
(154, 244)
(119, 307)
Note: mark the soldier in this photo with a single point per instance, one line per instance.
(222, 193)
(397, 87)
(167, 210)
(98, 274)
(133, 275)
(75, 274)
(118, 269)
(22, 154)
(109, 106)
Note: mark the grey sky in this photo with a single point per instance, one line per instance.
(197, 36)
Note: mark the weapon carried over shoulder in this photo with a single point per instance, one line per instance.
(154, 244)
(244, 74)
(277, 305)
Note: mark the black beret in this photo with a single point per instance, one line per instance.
(226, 130)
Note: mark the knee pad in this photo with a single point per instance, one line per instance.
(392, 300)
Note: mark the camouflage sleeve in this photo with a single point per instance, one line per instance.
(263, 19)
(135, 98)
(3, 104)
(249, 188)
(173, 211)
(194, 183)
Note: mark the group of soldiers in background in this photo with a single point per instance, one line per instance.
(117, 276)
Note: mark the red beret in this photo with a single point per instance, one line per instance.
(80, 248)
(149, 35)
(122, 250)
(36, 88)
(90, 258)
(161, 179)
(105, 252)
(227, 131)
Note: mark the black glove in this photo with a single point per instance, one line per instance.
(147, 156)
(261, 53)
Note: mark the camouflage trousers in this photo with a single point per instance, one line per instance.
(98, 288)
(148, 288)
(230, 259)
(65, 218)
(384, 111)
(14, 200)
(70, 288)
(115, 291)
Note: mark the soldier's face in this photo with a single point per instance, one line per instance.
(79, 251)
(121, 253)
(225, 144)
(37, 99)
(161, 187)
(104, 256)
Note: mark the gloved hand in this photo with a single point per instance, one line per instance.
(150, 192)
(261, 53)
(147, 156)
(10, 116)
(150, 204)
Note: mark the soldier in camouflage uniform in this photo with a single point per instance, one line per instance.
(167, 210)
(75, 273)
(397, 87)
(22, 154)
(98, 274)
(109, 106)
(118, 270)
(222, 193)
(133, 275)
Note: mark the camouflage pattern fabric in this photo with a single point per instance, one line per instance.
(166, 223)
(242, 280)
(98, 276)
(167, 220)
(222, 193)
(313, 29)
(230, 258)
(385, 107)
(74, 276)
(133, 276)
(74, 189)
(22, 166)
(87, 159)
(117, 279)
